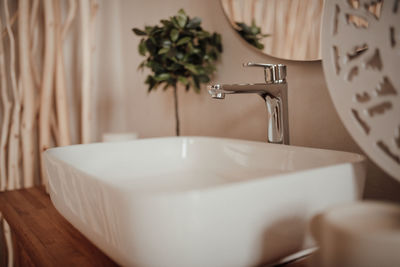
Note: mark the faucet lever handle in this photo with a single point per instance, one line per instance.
(274, 73)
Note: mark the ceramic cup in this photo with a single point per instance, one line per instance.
(359, 234)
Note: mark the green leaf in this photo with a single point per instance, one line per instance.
(213, 54)
(155, 30)
(166, 22)
(183, 40)
(162, 77)
(194, 23)
(202, 34)
(142, 47)
(174, 22)
(183, 80)
(153, 40)
(174, 34)
(192, 49)
(151, 82)
(174, 67)
(156, 67)
(219, 47)
(203, 78)
(173, 59)
(171, 53)
(260, 46)
(150, 46)
(181, 12)
(166, 43)
(148, 29)
(196, 51)
(216, 38)
(163, 51)
(191, 68)
(181, 18)
(179, 55)
(139, 32)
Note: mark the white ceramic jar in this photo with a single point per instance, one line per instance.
(361, 234)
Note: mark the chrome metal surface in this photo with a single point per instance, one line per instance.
(293, 257)
(274, 93)
(273, 73)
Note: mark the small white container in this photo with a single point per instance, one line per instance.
(361, 234)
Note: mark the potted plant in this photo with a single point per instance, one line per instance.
(178, 51)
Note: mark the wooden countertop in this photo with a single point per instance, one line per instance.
(42, 237)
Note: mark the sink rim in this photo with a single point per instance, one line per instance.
(356, 157)
(351, 158)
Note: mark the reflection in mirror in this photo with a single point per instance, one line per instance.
(288, 29)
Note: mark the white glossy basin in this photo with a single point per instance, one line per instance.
(198, 201)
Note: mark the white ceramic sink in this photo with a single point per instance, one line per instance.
(198, 201)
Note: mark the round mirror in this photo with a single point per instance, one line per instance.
(288, 29)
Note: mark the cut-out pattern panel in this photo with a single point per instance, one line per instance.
(361, 59)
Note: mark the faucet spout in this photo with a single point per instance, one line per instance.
(216, 92)
(244, 88)
(273, 92)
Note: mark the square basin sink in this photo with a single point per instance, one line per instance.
(198, 201)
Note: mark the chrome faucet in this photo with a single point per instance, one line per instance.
(273, 91)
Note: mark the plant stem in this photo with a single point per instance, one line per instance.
(176, 111)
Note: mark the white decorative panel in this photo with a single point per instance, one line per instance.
(361, 60)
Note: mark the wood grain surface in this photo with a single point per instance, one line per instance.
(42, 237)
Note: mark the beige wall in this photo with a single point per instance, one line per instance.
(124, 105)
